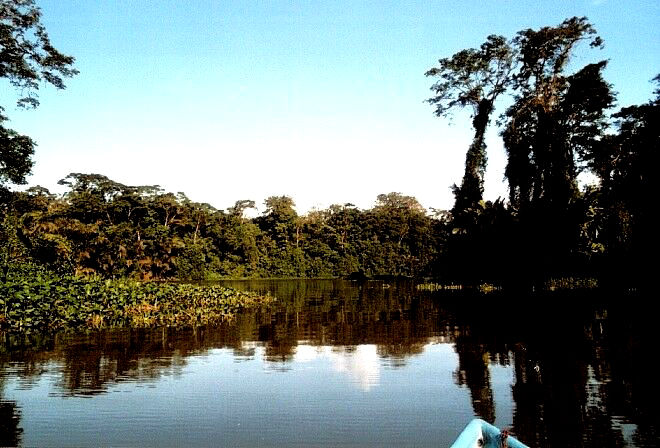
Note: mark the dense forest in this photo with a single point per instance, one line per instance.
(103, 227)
(561, 122)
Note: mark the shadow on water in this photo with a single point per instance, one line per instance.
(10, 430)
(583, 369)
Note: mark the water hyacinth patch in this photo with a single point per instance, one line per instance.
(48, 303)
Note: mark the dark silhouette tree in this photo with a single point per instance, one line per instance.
(625, 163)
(473, 78)
(27, 59)
(552, 111)
(556, 119)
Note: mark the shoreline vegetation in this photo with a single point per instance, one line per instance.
(33, 299)
(549, 285)
(96, 255)
(46, 302)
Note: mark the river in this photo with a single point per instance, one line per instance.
(340, 364)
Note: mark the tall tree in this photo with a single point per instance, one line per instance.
(27, 59)
(279, 220)
(239, 239)
(626, 163)
(473, 78)
(556, 118)
(554, 115)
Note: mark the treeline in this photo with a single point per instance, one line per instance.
(103, 227)
(561, 122)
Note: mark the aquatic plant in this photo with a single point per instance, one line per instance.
(47, 302)
(438, 287)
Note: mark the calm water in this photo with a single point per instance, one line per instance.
(338, 364)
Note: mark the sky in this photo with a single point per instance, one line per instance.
(322, 101)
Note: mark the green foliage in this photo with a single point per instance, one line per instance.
(36, 300)
(556, 127)
(15, 155)
(27, 59)
(191, 262)
(101, 227)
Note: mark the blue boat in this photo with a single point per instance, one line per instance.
(481, 434)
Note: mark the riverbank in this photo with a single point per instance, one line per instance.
(49, 302)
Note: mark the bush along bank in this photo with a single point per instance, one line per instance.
(45, 302)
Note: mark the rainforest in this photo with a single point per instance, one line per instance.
(561, 123)
(132, 315)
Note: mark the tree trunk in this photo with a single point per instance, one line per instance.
(471, 190)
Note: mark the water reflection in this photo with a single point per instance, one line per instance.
(472, 371)
(582, 374)
(361, 364)
(10, 431)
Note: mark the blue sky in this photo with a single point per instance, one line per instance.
(320, 101)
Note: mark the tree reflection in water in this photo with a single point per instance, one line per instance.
(582, 377)
(10, 417)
